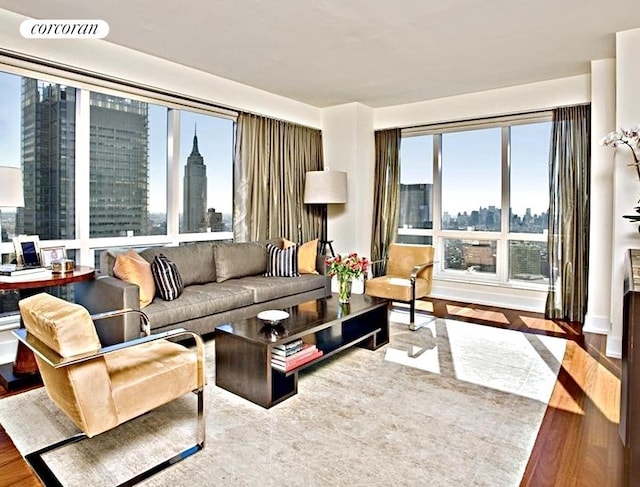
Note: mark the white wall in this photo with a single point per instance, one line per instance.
(603, 120)
(348, 145)
(626, 188)
(100, 56)
(515, 99)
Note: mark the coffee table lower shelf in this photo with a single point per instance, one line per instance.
(243, 365)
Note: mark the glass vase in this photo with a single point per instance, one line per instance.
(344, 289)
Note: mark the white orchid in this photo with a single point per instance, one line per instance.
(629, 137)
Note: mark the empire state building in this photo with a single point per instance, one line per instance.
(195, 191)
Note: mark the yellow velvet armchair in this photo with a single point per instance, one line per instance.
(99, 388)
(408, 277)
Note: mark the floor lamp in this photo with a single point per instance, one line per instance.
(11, 193)
(325, 188)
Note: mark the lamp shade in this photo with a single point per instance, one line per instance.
(11, 194)
(324, 187)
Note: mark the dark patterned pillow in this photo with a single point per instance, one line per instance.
(282, 262)
(167, 278)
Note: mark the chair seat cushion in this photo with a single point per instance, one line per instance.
(149, 375)
(396, 288)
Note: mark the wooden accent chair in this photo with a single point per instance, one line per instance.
(409, 276)
(99, 388)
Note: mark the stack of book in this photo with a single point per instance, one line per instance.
(292, 355)
(13, 270)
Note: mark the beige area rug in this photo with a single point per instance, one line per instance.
(452, 404)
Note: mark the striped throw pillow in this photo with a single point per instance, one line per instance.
(167, 278)
(282, 262)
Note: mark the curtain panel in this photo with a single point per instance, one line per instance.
(386, 197)
(569, 210)
(271, 160)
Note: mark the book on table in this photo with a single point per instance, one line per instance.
(13, 270)
(307, 353)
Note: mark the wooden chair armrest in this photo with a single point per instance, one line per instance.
(145, 327)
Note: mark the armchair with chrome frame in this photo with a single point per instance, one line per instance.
(408, 277)
(99, 388)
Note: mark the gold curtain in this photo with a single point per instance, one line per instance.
(271, 160)
(385, 196)
(569, 210)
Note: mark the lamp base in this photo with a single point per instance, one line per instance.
(323, 247)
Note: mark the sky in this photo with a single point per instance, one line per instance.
(471, 167)
(215, 142)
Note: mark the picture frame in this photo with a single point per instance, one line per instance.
(27, 250)
(49, 254)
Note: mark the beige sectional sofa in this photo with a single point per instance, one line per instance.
(223, 282)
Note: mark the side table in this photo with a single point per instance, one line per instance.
(24, 370)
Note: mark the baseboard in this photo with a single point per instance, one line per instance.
(614, 347)
(596, 324)
(490, 295)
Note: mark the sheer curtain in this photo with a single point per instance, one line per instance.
(271, 160)
(385, 196)
(570, 161)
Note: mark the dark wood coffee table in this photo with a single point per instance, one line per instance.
(243, 349)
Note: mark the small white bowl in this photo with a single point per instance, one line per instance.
(273, 316)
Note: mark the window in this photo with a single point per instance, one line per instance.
(480, 193)
(416, 189)
(529, 209)
(471, 163)
(206, 162)
(128, 187)
(128, 140)
(38, 134)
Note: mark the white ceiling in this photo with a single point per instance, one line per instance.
(377, 52)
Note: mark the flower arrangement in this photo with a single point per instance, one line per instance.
(629, 137)
(347, 268)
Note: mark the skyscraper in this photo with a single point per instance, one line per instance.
(48, 160)
(194, 216)
(118, 163)
(415, 201)
(119, 172)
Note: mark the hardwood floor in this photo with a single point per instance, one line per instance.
(578, 443)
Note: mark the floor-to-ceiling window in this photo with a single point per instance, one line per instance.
(479, 192)
(107, 168)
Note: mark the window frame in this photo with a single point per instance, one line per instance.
(84, 83)
(504, 236)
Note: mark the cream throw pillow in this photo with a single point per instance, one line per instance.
(131, 267)
(307, 254)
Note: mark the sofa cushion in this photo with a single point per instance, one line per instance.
(194, 261)
(131, 267)
(167, 278)
(268, 288)
(239, 259)
(197, 301)
(282, 262)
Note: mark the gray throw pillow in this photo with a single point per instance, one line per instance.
(235, 260)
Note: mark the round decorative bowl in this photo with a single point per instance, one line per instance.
(273, 332)
(273, 317)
